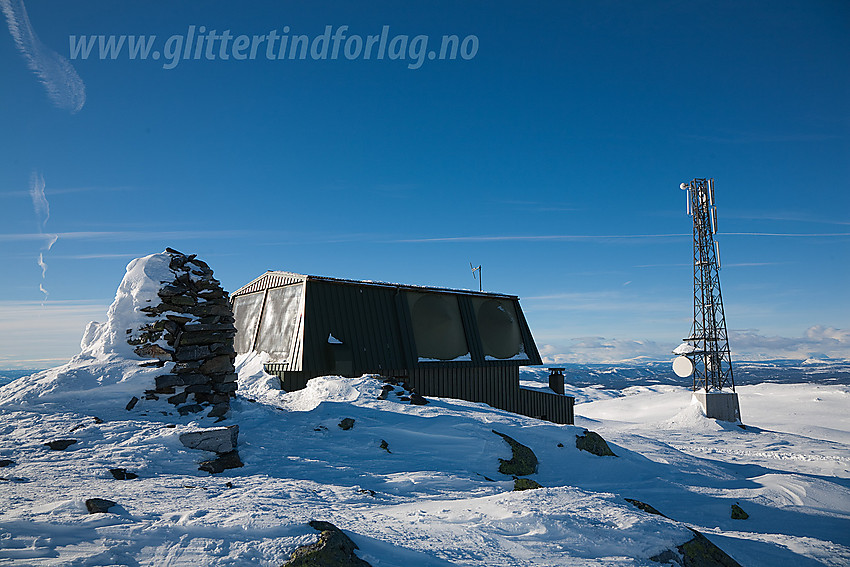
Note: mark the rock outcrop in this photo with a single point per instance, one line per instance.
(122, 474)
(738, 513)
(593, 443)
(334, 549)
(99, 505)
(526, 484)
(696, 552)
(219, 440)
(216, 439)
(221, 463)
(60, 444)
(523, 461)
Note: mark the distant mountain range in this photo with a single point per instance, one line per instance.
(617, 376)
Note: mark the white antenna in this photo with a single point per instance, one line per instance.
(476, 276)
(717, 253)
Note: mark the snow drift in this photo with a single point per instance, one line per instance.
(106, 373)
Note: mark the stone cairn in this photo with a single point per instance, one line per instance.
(193, 327)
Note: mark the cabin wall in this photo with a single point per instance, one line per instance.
(334, 327)
(494, 386)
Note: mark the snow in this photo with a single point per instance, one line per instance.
(106, 373)
(519, 356)
(436, 497)
(461, 358)
(684, 348)
(138, 289)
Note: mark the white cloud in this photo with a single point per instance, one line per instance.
(602, 349)
(818, 342)
(64, 86)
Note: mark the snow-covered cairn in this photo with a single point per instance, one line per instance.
(189, 321)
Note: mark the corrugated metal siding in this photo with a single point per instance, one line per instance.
(545, 405)
(493, 385)
(373, 320)
(530, 346)
(269, 280)
(497, 387)
(470, 325)
(364, 318)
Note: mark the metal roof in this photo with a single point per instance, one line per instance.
(278, 278)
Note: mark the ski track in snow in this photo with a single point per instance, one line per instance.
(428, 501)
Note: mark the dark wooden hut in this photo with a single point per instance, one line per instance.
(441, 342)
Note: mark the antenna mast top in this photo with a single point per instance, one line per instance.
(478, 276)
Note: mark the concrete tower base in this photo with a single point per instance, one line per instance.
(719, 405)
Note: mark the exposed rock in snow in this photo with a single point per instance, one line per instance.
(216, 439)
(526, 484)
(593, 443)
(334, 549)
(522, 463)
(99, 505)
(738, 513)
(224, 461)
(122, 474)
(417, 400)
(697, 552)
(60, 444)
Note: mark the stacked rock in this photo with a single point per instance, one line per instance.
(193, 326)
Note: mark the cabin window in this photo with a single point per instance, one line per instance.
(281, 321)
(246, 312)
(498, 327)
(437, 327)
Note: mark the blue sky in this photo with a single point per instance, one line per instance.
(552, 157)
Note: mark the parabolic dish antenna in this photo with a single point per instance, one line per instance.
(682, 366)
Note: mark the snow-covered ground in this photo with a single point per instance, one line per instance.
(411, 485)
(436, 498)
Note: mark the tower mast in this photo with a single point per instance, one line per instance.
(707, 347)
(711, 357)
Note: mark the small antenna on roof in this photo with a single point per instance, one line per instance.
(476, 276)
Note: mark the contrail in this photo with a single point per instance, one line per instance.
(64, 86)
(41, 206)
(39, 201)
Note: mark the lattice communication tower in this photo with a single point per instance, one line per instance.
(712, 362)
